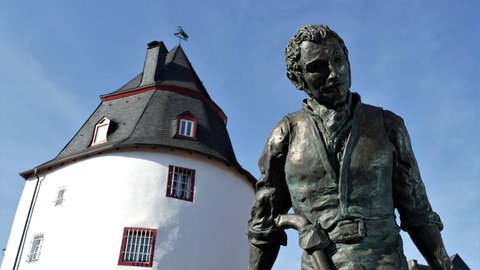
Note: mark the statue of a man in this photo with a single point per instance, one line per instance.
(343, 165)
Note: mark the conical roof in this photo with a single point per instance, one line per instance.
(165, 68)
(144, 113)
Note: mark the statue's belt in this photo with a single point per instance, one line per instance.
(348, 231)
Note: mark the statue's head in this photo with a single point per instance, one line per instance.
(317, 63)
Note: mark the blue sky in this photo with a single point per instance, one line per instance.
(419, 59)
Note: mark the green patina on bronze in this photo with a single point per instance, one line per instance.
(344, 167)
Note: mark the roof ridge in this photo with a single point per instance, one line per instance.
(138, 119)
(76, 133)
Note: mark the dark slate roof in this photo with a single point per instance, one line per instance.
(165, 68)
(457, 262)
(144, 113)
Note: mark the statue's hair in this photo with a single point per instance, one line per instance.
(313, 33)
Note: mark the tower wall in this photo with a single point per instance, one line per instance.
(108, 192)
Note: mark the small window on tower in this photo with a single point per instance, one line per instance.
(35, 247)
(101, 130)
(60, 196)
(137, 248)
(186, 126)
(181, 182)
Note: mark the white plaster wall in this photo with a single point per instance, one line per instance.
(108, 192)
(18, 225)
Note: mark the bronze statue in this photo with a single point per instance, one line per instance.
(342, 165)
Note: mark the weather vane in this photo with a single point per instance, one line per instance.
(181, 34)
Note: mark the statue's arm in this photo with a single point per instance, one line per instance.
(262, 257)
(429, 242)
(416, 215)
(271, 199)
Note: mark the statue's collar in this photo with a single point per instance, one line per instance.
(323, 112)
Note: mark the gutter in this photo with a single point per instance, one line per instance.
(27, 221)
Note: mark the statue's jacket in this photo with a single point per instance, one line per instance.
(377, 172)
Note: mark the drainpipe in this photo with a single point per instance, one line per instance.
(27, 221)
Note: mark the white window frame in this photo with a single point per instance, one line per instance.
(186, 126)
(35, 248)
(101, 131)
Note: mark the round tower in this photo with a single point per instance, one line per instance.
(149, 181)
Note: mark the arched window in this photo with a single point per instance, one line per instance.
(100, 132)
(186, 126)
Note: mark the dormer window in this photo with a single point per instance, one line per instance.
(186, 126)
(101, 130)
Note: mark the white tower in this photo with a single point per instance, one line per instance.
(150, 181)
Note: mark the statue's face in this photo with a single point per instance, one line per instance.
(326, 71)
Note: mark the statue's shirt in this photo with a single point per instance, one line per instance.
(334, 126)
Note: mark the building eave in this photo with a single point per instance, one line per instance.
(58, 163)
